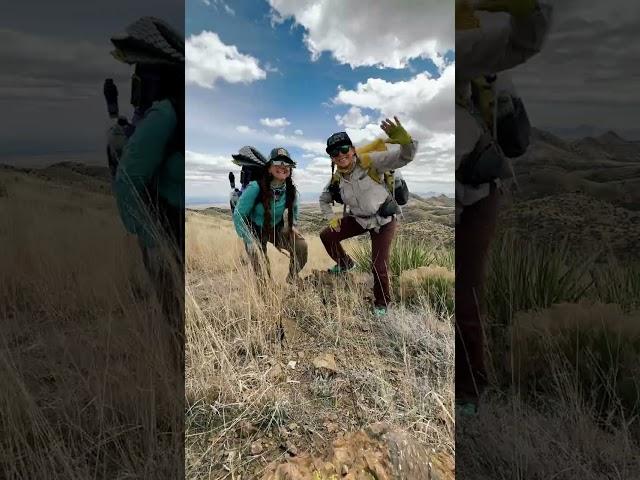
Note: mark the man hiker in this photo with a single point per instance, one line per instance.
(481, 166)
(368, 204)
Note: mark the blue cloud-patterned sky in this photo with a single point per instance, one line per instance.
(289, 73)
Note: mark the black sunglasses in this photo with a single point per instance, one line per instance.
(341, 149)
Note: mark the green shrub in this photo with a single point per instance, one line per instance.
(436, 285)
(590, 350)
(616, 283)
(525, 275)
(406, 254)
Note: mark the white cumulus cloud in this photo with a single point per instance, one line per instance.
(365, 33)
(208, 60)
(274, 122)
(353, 118)
(423, 104)
(244, 129)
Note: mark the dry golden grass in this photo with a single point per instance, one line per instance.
(253, 396)
(564, 395)
(86, 385)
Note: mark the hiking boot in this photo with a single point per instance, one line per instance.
(379, 311)
(337, 269)
(466, 409)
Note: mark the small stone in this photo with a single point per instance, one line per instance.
(377, 429)
(291, 449)
(325, 362)
(331, 427)
(292, 426)
(247, 429)
(275, 372)
(292, 364)
(301, 354)
(345, 470)
(256, 448)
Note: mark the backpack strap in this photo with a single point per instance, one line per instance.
(386, 178)
(389, 180)
(367, 164)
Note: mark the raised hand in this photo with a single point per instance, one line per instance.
(395, 131)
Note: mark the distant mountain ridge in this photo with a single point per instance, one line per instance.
(587, 190)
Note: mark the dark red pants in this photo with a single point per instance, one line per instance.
(474, 233)
(380, 249)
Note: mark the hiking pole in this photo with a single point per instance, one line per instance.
(117, 136)
(110, 92)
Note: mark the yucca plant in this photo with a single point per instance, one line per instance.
(435, 284)
(531, 275)
(590, 348)
(619, 284)
(406, 254)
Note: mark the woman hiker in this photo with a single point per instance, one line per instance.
(259, 216)
(479, 56)
(366, 203)
(149, 178)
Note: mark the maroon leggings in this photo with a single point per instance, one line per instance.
(380, 248)
(474, 233)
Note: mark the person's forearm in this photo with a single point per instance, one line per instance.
(384, 161)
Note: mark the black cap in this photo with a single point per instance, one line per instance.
(280, 153)
(338, 139)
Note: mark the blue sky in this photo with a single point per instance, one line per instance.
(260, 75)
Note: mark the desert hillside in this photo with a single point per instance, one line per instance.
(87, 386)
(563, 318)
(302, 379)
(431, 218)
(585, 191)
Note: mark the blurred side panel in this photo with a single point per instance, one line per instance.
(547, 235)
(91, 240)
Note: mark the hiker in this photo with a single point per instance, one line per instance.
(259, 216)
(368, 205)
(482, 168)
(149, 180)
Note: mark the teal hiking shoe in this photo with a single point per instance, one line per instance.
(379, 311)
(466, 409)
(337, 269)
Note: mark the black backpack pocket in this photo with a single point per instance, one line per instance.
(401, 192)
(334, 190)
(483, 165)
(514, 130)
(389, 207)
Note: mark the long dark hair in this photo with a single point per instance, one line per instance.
(162, 82)
(266, 196)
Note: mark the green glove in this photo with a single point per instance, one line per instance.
(334, 223)
(396, 132)
(517, 8)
